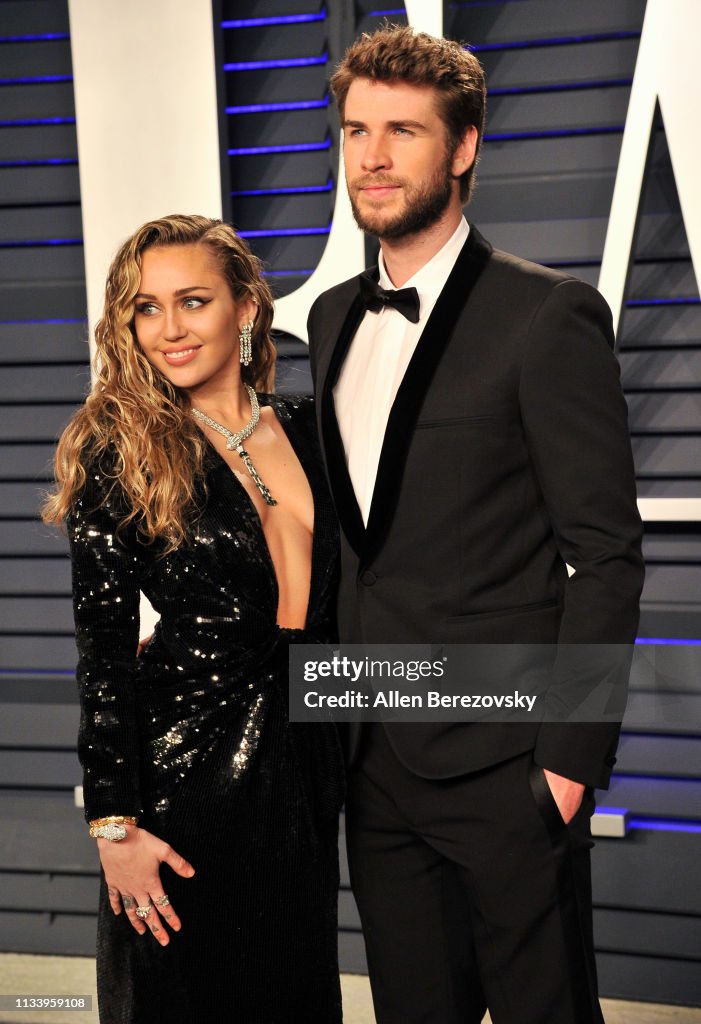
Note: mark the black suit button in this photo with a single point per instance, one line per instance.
(368, 577)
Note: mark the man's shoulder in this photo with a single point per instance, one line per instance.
(532, 283)
(344, 290)
(519, 268)
(329, 308)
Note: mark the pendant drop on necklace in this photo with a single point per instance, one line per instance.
(267, 496)
(234, 441)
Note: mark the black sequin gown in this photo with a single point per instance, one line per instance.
(194, 738)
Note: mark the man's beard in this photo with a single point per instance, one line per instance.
(424, 205)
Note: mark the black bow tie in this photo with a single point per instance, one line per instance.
(405, 300)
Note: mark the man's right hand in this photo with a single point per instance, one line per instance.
(143, 644)
(567, 794)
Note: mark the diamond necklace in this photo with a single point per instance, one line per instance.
(234, 441)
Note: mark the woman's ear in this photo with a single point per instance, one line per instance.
(247, 311)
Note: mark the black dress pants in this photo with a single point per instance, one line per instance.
(473, 893)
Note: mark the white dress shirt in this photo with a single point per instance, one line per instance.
(375, 366)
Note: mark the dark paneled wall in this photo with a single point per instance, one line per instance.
(47, 864)
(559, 77)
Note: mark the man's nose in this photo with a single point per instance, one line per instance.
(376, 155)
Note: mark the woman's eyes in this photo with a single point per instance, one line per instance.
(189, 302)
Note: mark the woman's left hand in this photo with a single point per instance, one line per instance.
(132, 874)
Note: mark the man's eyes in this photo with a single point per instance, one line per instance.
(357, 132)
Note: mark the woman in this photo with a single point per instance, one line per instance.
(189, 758)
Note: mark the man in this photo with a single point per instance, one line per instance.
(475, 447)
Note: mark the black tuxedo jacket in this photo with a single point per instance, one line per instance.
(506, 455)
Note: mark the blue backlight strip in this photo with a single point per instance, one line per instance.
(667, 640)
(284, 232)
(279, 19)
(290, 191)
(34, 38)
(554, 133)
(285, 62)
(456, 5)
(37, 672)
(652, 777)
(531, 44)
(36, 243)
(287, 273)
(28, 122)
(39, 163)
(51, 320)
(637, 303)
(664, 825)
(266, 108)
(36, 79)
(529, 90)
(293, 147)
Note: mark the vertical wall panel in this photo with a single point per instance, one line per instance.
(43, 375)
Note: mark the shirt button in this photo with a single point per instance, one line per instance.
(368, 577)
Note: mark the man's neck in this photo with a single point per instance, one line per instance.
(404, 257)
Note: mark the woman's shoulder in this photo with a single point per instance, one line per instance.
(296, 407)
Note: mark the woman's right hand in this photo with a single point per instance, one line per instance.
(131, 870)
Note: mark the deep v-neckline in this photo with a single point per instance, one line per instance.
(307, 469)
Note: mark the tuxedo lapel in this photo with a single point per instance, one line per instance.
(412, 391)
(341, 486)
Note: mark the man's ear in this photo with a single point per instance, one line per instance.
(464, 155)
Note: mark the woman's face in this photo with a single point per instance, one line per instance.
(186, 319)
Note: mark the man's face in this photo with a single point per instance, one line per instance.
(401, 175)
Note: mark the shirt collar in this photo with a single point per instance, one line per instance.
(430, 279)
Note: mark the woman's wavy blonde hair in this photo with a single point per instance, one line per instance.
(133, 414)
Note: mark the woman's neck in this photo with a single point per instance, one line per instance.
(229, 404)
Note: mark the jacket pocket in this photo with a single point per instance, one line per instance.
(497, 613)
(545, 801)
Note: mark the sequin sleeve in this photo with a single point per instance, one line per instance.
(106, 577)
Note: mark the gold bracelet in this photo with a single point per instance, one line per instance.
(111, 827)
(117, 819)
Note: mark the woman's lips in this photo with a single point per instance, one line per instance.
(181, 357)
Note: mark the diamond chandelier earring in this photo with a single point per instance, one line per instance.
(245, 343)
